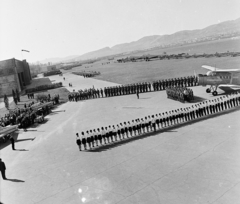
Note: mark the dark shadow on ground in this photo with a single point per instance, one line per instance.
(197, 99)
(21, 140)
(15, 136)
(56, 112)
(5, 144)
(227, 93)
(144, 98)
(150, 134)
(21, 150)
(15, 180)
(35, 125)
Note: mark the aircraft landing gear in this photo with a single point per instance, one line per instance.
(208, 90)
(214, 93)
(212, 89)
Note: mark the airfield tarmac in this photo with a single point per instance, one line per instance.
(193, 163)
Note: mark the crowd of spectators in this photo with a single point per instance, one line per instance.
(25, 117)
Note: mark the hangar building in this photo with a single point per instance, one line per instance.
(14, 74)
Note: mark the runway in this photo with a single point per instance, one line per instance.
(196, 163)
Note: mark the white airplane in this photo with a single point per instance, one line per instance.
(225, 79)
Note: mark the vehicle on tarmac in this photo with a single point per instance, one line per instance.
(225, 79)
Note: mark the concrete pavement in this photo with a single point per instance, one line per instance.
(195, 163)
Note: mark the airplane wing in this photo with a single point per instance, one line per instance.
(226, 87)
(219, 70)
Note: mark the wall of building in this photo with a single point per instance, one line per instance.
(26, 72)
(23, 70)
(8, 77)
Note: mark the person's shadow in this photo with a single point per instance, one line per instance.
(21, 150)
(14, 180)
(25, 139)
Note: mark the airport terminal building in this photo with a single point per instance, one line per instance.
(14, 74)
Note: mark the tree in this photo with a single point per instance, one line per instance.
(6, 102)
(18, 98)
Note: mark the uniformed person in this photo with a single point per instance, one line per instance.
(119, 132)
(153, 121)
(134, 127)
(110, 133)
(84, 141)
(103, 133)
(99, 135)
(130, 129)
(89, 141)
(78, 141)
(114, 133)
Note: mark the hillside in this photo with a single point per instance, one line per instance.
(213, 32)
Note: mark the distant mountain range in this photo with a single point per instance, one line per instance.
(156, 40)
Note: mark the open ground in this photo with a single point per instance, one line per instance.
(135, 72)
(193, 163)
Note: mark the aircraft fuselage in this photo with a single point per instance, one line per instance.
(214, 79)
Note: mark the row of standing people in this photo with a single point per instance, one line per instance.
(181, 94)
(179, 82)
(85, 94)
(129, 89)
(113, 133)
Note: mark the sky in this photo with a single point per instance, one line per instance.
(61, 28)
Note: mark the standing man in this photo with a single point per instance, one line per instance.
(78, 141)
(13, 142)
(2, 169)
(137, 94)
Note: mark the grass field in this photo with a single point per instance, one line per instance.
(231, 45)
(134, 72)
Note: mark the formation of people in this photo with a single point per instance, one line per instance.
(135, 88)
(152, 123)
(87, 74)
(181, 94)
(85, 94)
(179, 82)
